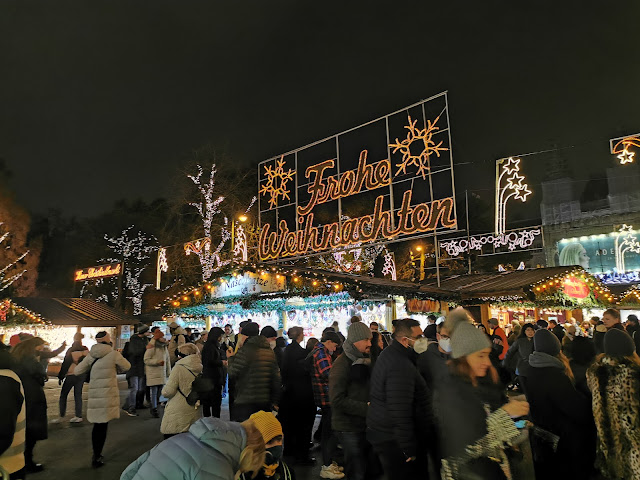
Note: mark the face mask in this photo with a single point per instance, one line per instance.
(272, 345)
(445, 344)
(272, 460)
(420, 345)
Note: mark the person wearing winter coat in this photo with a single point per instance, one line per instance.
(134, 351)
(274, 467)
(178, 414)
(297, 409)
(213, 449)
(178, 337)
(13, 417)
(610, 321)
(157, 367)
(499, 338)
(349, 382)
(104, 395)
(473, 427)
(557, 407)
(256, 375)
(614, 381)
(583, 353)
(74, 355)
(213, 368)
(520, 350)
(397, 417)
(32, 376)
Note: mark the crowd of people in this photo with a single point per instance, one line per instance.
(457, 400)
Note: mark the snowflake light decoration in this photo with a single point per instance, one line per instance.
(276, 185)
(417, 147)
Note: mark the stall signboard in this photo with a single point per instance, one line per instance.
(575, 288)
(98, 272)
(613, 254)
(250, 283)
(386, 180)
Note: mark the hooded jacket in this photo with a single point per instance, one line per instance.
(156, 373)
(104, 395)
(178, 338)
(256, 373)
(615, 387)
(178, 414)
(210, 450)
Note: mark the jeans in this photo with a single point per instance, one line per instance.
(154, 394)
(328, 439)
(137, 386)
(395, 464)
(76, 382)
(357, 456)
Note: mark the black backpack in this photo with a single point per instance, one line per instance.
(199, 387)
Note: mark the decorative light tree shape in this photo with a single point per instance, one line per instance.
(389, 267)
(509, 184)
(208, 207)
(135, 252)
(417, 147)
(629, 243)
(277, 180)
(6, 282)
(621, 148)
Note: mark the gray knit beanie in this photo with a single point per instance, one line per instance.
(358, 331)
(467, 339)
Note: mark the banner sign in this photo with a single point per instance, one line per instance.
(389, 179)
(575, 288)
(491, 244)
(250, 283)
(100, 271)
(615, 254)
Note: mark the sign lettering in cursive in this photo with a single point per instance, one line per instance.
(101, 271)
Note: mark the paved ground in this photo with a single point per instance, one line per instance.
(66, 454)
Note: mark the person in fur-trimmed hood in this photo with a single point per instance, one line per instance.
(614, 381)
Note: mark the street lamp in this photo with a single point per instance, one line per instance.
(420, 250)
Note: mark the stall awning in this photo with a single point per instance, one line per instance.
(82, 312)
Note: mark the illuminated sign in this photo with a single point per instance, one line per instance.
(613, 254)
(367, 185)
(623, 147)
(516, 240)
(575, 288)
(250, 283)
(100, 271)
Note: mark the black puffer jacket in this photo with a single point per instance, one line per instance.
(134, 351)
(212, 363)
(399, 401)
(296, 379)
(256, 373)
(349, 395)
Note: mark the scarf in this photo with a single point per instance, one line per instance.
(542, 360)
(355, 355)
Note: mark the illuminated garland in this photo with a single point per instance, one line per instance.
(6, 282)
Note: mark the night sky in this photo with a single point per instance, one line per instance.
(101, 100)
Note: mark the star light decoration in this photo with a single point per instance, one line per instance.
(629, 243)
(162, 266)
(277, 180)
(417, 147)
(621, 148)
(389, 267)
(509, 184)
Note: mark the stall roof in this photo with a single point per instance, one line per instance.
(495, 284)
(83, 312)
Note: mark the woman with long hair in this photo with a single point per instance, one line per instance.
(614, 381)
(559, 408)
(213, 369)
(474, 420)
(33, 377)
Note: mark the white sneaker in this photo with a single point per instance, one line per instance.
(336, 467)
(329, 472)
(76, 420)
(57, 420)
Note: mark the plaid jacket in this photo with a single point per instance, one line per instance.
(320, 375)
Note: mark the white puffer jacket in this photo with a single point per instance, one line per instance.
(156, 354)
(178, 414)
(104, 395)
